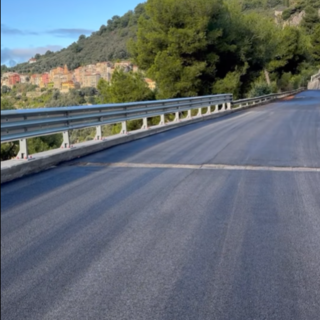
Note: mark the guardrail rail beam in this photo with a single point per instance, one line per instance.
(19, 125)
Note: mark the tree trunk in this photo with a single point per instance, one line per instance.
(266, 73)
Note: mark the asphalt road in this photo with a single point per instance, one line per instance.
(216, 220)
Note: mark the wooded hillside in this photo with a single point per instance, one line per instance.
(110, 41)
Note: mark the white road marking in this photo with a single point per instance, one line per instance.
(200, 166)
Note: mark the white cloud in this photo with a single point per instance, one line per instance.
(24, 54)
(69, 33)
(62, 32)
(6, 30)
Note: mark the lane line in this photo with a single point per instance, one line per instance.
(196, 166)
(259, 168)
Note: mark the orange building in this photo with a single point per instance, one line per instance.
(14, 78)
(55, 72)
(44, 80)
(67, 85)
(65, 69)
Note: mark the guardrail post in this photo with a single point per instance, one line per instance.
(145, 123)
(189, 115)
(98, 133)
(223, 107)
(228, 106)
(209, 110)
(199, 114)
(66, 140)
(124, 127)
(23, 149)
(162, 120)
(177, 117)
(216, 108)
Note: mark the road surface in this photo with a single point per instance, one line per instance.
(215, 220)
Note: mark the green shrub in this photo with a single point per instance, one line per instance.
(260, 89)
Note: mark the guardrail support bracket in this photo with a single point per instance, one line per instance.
(162, 120)
(98, 133)
(124, 127)
(144, 123)
(23, 150)
(66, 140)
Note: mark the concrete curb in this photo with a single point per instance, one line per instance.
(14, 169)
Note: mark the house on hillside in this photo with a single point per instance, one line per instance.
(5, 80)
(9, 79)
(14, 78)
(67, 85)
(78, 75)
(32, 60)
(35, 79)
(91, 68)
(24, 78)
(105, 70)
(91, 79)
(55, 72)
(44, 80)
(57, 82)
(124, 65)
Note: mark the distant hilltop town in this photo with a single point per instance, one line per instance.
(63, 79)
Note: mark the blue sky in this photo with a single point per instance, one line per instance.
(33, 26)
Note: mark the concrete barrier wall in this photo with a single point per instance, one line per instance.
(314, 83)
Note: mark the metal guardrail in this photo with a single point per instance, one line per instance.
(266, 98)
(28, 123)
